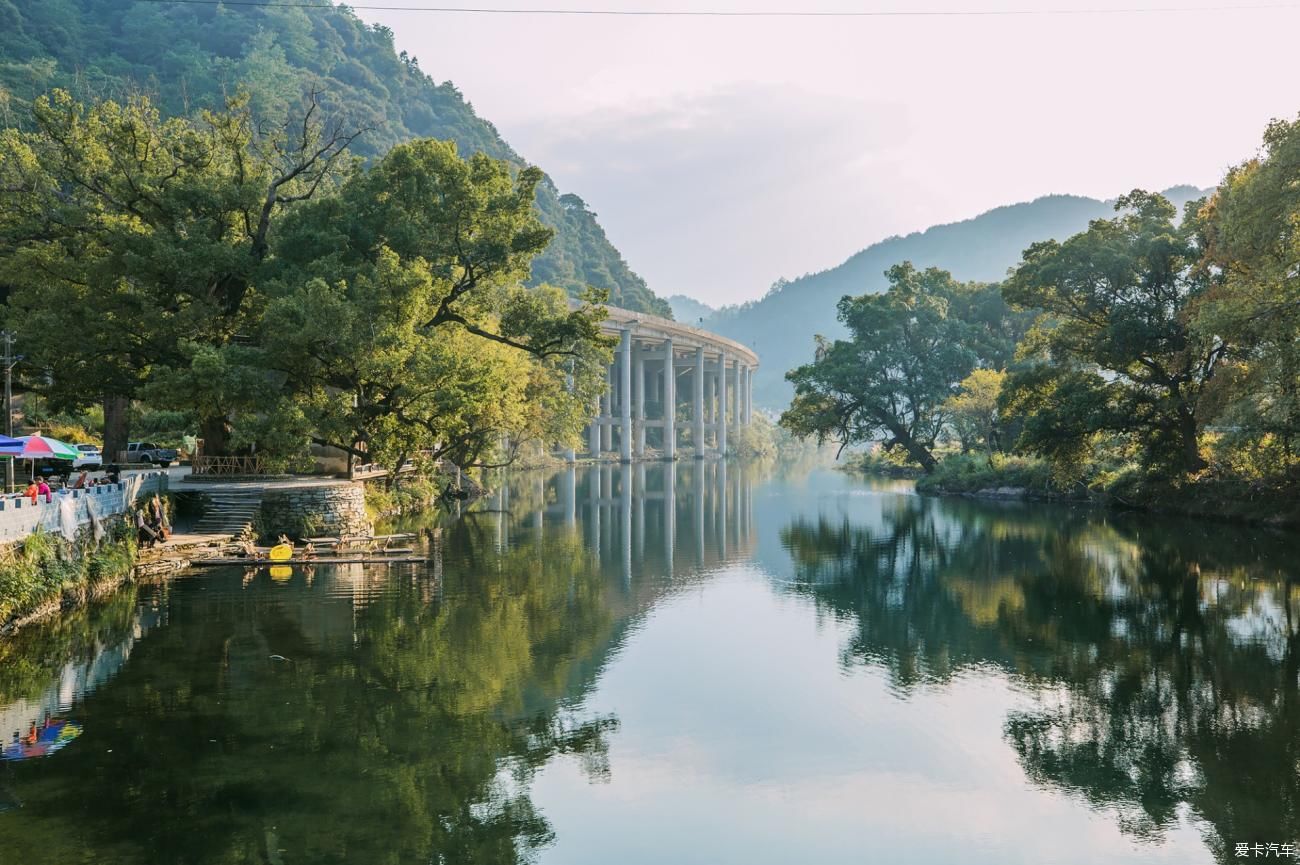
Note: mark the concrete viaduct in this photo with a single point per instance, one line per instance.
(661, 366)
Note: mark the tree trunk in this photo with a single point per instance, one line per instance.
(214, 432)
(1192, 461)
(117, 429)
(915, 449)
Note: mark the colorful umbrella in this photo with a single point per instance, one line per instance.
(42, 447)
(37, 448)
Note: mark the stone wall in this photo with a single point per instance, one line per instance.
(314, 510)
(19, 517)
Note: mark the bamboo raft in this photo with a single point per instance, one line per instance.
(224, 561)
(344, 550)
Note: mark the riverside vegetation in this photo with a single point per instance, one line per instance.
(1151, 360)
(45, 569)
(282, 294)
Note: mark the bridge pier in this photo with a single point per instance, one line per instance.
(670, 400)
(722, 402)
(641, 388)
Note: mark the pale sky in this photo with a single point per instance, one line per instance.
(723, 153)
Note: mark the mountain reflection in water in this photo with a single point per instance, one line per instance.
(630, 662)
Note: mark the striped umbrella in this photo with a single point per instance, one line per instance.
(40, 448)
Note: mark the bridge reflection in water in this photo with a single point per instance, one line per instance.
(654, 519)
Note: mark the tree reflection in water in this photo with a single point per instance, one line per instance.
(365, 721)
(1161, 658)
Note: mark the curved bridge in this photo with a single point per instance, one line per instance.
(672, 387)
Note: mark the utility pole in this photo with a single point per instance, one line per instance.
(10, 362)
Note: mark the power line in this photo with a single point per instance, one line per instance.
(750, 13)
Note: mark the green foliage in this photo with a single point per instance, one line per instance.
(882, 463)
(760, 439)
(189, 58)
(967, 473)
(389, 319)
(145, 237)
(973, 411)
(400, 328)
(44, 566)
(1115, 304)
(1252, 249)
(906, 356)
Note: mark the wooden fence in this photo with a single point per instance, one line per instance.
(226, 466)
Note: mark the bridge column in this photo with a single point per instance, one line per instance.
(744, 397)
(698, 415)
(722, 402)
(737, 389)
(593, 433)
(606, 411)
(624, 397)
(670, 401)
(711, 406)
(639, 383)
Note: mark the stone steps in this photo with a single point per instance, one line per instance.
(229, 512)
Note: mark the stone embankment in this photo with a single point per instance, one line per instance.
(313, 509)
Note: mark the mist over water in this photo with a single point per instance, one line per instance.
(709, 663)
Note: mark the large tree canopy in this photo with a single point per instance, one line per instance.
(906, 355)
(1252, 253)
(282, 293)
(400, 323)
(130, 242)
(1119, 354)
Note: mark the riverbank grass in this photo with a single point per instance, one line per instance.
(45, 568)
(971, 473)
(1268, 500)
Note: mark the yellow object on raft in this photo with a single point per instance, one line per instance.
(281, 553)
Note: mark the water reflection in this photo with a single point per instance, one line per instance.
(355, 713)
(649, 520)
(652, 636)
(1161, 663)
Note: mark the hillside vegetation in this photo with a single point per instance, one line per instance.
(191, 57)
(782, 325)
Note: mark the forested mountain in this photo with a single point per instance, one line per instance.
(189, 57)
(781, 325)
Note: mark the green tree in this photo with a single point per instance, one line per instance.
(905, 356)
(131, 243)
(973, 410)
(1253, 251)
(400, 321)
(1115, 304)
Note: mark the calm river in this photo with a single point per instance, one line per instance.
(689, 664)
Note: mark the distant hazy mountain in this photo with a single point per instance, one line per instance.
(689, 310)
(781, 326)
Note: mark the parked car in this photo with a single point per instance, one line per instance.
(90, 458)
(148, 452)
